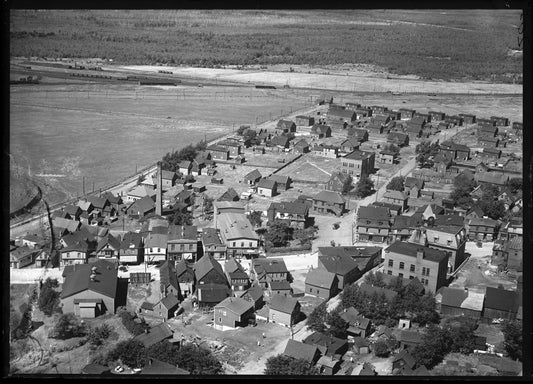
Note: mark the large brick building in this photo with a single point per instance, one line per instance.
(358, 163)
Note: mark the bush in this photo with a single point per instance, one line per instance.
(286, 365)
(381, 349)
(98, 335)
(68, 326)
(128, 320)
(48, 300)
(131, 352)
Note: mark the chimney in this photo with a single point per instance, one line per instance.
(419, 255)
(159, 199)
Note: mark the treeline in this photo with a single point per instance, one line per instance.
(429, 52)
(171, 160)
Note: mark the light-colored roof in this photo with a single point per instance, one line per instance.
(235, 226)
(392, 194)
(320, 278)
(330, 197)
(141, 191)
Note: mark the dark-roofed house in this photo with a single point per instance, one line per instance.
(350, 144)
(280, 288)
(73, 211)
(211, 284)
(155, 335)
(501, 304)
(409, 339)
(500, 121)
(302, 146)
(467, 118)
(164, 309)
(168, 179)
(234, 147)
(488, 141)
(280, 141)
(341, 115)
(284, 310)
(403, 360)
(407, 114)
(403, 226)
(185, 276)
(361, 345)
(212, 244)
(229, 195)
(461, 302)
(495, 178)
(410, 260)
(321, 283)
(99, 203)
(337, 182)
(283, 181)
(286, 126)
(358, 163)
(360, 134)
(168, 280)
(454, 119)
(238, 279)
(305, 120)
(482, 229)
(233, 312)
(295, 213)
(437, 115)
(486, 129)
(141, 207)
(265, 271)
(456, 151)
(299, 350)
(412, 186)
(450, 238)
(89, 290)
(131, 248)
(398, 138)
(267, 187)
(182, 242)
(320, 131)
(327, 345)
(108, 248)
(490, 154)
(77, 253)
(343, 266)
(373, 223)
(395, 197)
(19, 257)
(252, 177)
(328, 365)
(218, 152)
(254, 294)
(326, 202)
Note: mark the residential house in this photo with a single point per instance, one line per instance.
(237, 233)
(500, 121)
(305, 120)
(394, 115)
(131, 249)
(326, 202)
(350, 144)
(99, 204)
(234, 147)
(65, 226)
(320, 131)
(155, 248)
(73, 211)
(344, 267)
(501, 304)
(211, 284)
(141, 207)
(407, 114)
(302, 351)
(425, 116)
(338, 182)
(330, 346)
(436, 115)
(218, 152)
(362, 112)
(286, 126)
(398, 138)
(359, 134)
(168, 179)
(328, 365)
(488, 141)
(168, 279)
(376, 128)
(254, 294)
(302, 146)
(395, 197)
(77, 253)
(454, 120)
(358, 163)
(507, 254)
(212, 244)
(284, 310)
(367, 370)
(266, 271)
(321, 283)
(373, 224)
(352, 106)
(108, 248)
(233, 312)
(165, 308)
(403, 227)
(450, 239)
(267, 187)
(409, 339)
(185, 276)
(361, 345)
(403, 360)
(155, 335)
(460, 302)
(182, 243)
(456, 151)
(33, 241)
(280, 288)
(197, 166)
(489, 154)
(483, 229)
(252, 177)
(340, 115)
(330, 151)
(295, 213)
(237, 277)
(280, 141)
(486, 129)
(386, 156)
(467, 118)
(139, 192)
(20, 257)
(358, 326)
(405, 259)
(412, 186)
(283, 182)
(89, 290)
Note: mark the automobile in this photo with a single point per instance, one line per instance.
(119, 369)
(136, 370)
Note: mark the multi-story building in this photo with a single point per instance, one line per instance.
(237, 233)
(212, 245)
(182, 243)
(295, 213)
(358, 163)
(408, 260)
(482, 229)
(326, 202)
(373, 224)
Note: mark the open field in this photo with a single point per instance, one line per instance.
(127, 128)
(479, 44)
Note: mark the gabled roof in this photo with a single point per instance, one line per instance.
(232, 265)
(267, 184)
(170, 301)
(111, 240)
(482, 221)
(229, 195)
(183, 267)
(205, 265)
(131, 240)
(292, 207)
(359, 155)
(209, 236)
(413, 181)
(253, 175)
(405, 356)
(69, 225)
(342, 113)
(235, 226)
(330, 197)
(299, 350)
(182, 232)
(285, 124)
(78, 279)
(371, 212)
(280, 285)
(338, 264)
(97, 202)
(270, 265)
(141, 191)
(156, 334)
(392, 194)
(320, 278)
(349, 315)
(212, 292)
(280, 179)
(236, 305)
(255, 292)
(406, 222)
(280, 140)
(320, 129)
(501, 299)
(410, 249)
(167, 275)
(410, 336)
(302, 143)
(72, 209)
(283, 303)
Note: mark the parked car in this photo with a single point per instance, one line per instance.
(119, 369)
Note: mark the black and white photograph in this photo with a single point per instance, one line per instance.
(266, 192)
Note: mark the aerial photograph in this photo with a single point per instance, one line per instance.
(202, 192)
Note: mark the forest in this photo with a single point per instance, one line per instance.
(459, 45)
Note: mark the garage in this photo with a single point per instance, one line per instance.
(89, 308)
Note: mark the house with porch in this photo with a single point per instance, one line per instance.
(295, 213)
(327, 202)
(131, 249)
(373, 224)
(182, 242)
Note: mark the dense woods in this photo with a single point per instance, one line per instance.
(404, 42)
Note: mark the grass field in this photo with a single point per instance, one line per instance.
(103, 132)
(434, 44)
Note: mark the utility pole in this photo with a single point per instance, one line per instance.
(83, 185)
(93, 186)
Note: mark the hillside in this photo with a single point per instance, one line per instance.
(435, 44)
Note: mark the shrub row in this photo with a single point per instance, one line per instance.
(135, 328)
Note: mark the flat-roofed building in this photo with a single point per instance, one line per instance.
(358, 163)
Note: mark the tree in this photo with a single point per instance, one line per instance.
(198, 361)
(208, 204)
(68, 326)
(425, 152)
(337, 326)
(282, 365)
(182, 218)
(255, 218)
(515, 184)
(347, 185)
(436, 343)
(98, 335)
(465, 182)
(317, 318)
(49, 297)
(512, 332)
(364, 187)
(381, 349)
(279, 233)
(164, 351)
(305, 236)
(131, 352)
(242, 129)
(375, 279)
(461, 331)
(392, 148)
(461, 197)
(396, 183)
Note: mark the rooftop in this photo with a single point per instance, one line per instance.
(409, 249)
(359, 155)
(78, 279)
(235, 226)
